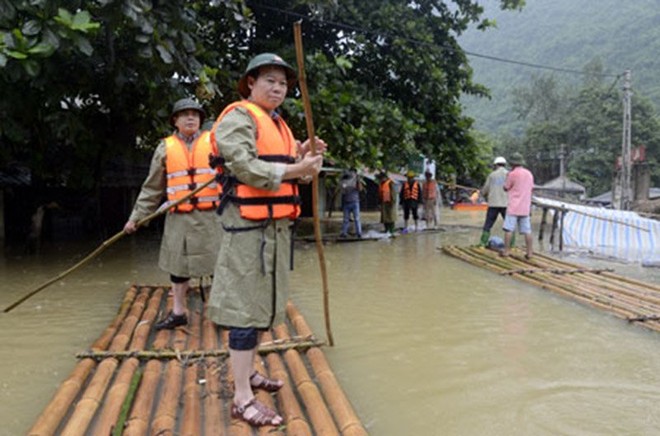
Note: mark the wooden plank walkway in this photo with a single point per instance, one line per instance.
(633, 300)
(136, 381)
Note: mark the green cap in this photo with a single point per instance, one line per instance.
(263, 60)
(517, 159)
(185, 104)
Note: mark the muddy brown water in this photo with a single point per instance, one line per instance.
(424, 344)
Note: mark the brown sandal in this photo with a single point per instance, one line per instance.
(265, 383)
(263, 416)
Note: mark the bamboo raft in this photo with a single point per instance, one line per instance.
(136, 381)
(633, 300)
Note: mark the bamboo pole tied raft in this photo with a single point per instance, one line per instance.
(135, 381)
(626, 298)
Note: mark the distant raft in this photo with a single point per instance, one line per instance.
(134, 380)
(633, 300)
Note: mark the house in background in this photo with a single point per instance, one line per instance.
(561, 187)
(605, 199)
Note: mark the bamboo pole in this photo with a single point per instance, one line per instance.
(302, 81)
(192, 407)
(650, 286)
(91, 398)
(267, 399)
(138, 420)
(164, 420)
(548, 286)
(294, 418)
(117, 394)
(191, 354)
(554, 270)
(316, 409)
(606, 280)
(555, 221)
(561, 230)
(347, 420)
(52, 415)
(621, 299)
(213, 417)
(107, 243)
(542, 226)
(118, 429)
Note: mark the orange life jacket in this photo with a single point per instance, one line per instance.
(411, 192)
(385, 191)
(275, 143)
(430, 189)
(186, 170)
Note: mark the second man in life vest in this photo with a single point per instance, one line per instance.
(262, 163)
(411, 195)
(190, 242)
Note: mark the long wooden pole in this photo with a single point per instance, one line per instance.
(108, 242)
(302, 81)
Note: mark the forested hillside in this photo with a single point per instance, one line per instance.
(565, 34)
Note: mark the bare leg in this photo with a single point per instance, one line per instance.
(242, 362)
(529, 245)
(507, 242)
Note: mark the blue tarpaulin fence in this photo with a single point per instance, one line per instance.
(620, 234)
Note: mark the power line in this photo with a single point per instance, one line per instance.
(363, 30)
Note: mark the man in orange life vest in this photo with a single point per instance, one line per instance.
(410, 198)
(261, 162)
(387, 196)
(190, 242)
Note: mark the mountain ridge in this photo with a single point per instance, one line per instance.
(563, 34)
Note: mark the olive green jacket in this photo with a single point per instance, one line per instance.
(250, 286)
(190, 242)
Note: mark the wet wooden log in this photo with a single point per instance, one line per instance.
(49, 420)
(190, 393)
(625, 298)
(290, 409)
(347, 420)
(296, 344)
(213, 417)
(93, 395)
(164, 420)
(192, 407)
(117, 393)
(265, 398)
(506, 263)
(140, 415)
(319, 415)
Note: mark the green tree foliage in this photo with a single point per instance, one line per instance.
(588, 120)
(563, 34)
(386, 75)
(84, 81)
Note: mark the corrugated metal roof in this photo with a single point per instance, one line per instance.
(563, 184)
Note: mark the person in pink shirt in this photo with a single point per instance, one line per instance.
(518, 185)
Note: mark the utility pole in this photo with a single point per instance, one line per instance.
(626, 164)
(562, 164)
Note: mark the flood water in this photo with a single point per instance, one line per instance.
(425, 344)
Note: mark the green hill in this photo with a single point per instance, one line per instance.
(564, 34)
